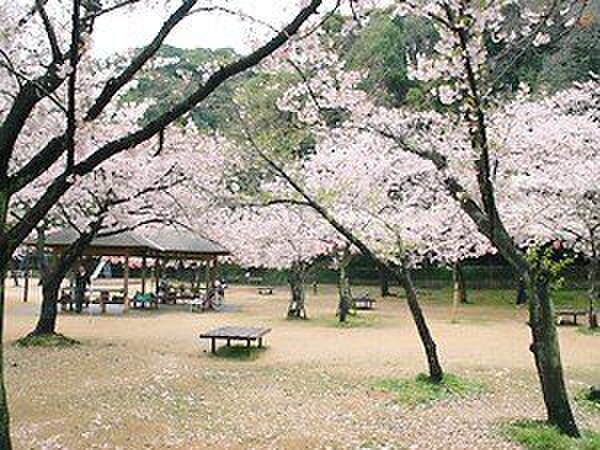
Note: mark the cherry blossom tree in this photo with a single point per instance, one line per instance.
(467, 78)
(279, 236)
(132, 190)
(550, 172)
(43, 55)
(322, 100)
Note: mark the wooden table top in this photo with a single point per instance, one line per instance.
(229, 332)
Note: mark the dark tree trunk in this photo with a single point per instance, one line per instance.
(546, 351)
(5, 255)
(5, 442)
(402, 275)
(345, 294)
(460, 284)
(297, 308)
(593, 272)
(521, 291)
(52, 278)
(47, 320)
(384, 283)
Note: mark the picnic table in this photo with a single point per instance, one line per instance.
(229, 333)
(363, 302)
(562, 314)
(265, 290)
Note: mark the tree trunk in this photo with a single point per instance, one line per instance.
(402, 275)
(296, 308)
(521, 291)
(345, 294)
(46, 323)
(384, 283)
(546, 350)
(52, 277)
(593, 272)
(5, 256)
(460, 284)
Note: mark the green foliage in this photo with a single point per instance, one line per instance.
(47, 340)
(584, 399)
(547, 265)
(239, 352)
(586, 330)
(536, 435)
(276, 131)
(422, 390)
(168, 83)
(382, 48)
(577, 55)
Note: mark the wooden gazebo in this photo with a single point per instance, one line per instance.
(161, 246)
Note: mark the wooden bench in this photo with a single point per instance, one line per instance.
(247, 334)
(364, 302)
(265, 290)
(563, 314)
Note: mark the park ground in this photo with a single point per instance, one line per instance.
(145, 381)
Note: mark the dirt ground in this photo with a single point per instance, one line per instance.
(145, 381)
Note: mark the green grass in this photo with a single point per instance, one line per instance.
(537, 435)
(239, 352)
(353, 322)
(589, 331)
(582, 398)
(47, 340)
(563, 298)
(412, 392)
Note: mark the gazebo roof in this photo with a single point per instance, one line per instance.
(166, 243)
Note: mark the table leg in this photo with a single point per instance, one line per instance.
(213, 345)
(259, 342)
(228, 342)
(248, 343)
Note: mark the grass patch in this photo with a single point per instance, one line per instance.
(353, 322)
(562, 298)
(239, 352)
(583, 398)
(538, 435)
(421, 390)
(588, 331)
(47, 340)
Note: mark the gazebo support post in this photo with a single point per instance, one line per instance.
(126, 284)
(207, 275)
(213, 272)
(144, 274)
(156, 275)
